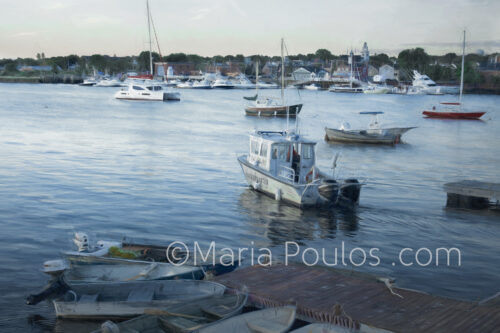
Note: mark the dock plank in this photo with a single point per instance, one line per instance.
(317, 290)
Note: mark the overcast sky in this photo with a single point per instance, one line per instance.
(211, 27)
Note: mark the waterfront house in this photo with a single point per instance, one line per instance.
(302, 75)
(387, 72)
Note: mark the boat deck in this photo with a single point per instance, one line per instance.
(316, 291)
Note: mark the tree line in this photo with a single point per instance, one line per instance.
(440, 68)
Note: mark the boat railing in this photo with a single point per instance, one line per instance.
(287, 173)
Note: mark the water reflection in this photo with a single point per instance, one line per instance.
(280, 222)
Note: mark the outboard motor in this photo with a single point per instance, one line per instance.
(329, 189)
(81, 240)
(55, 288)
(350, 190)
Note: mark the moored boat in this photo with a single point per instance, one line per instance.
(454, 110)
(128, 299)
(150, 92)
(374, 134)
(270, 320)
(282, 165)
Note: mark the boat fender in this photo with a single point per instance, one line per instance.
(311, 175)
(277, 195)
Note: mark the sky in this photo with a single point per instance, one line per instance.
(248, 27)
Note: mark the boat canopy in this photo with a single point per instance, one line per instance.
(371, 112)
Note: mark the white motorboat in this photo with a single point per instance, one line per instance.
(264, 85)
(373, 134)
(283, 166)
(376, 90)
(203, 84)
(185, 85)
(108, 83)
(422, 84)
(151, 92)
(242, 82)
(89, 82)
(221, 83)
(312, 86)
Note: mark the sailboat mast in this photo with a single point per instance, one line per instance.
(257, 77)
(150, 45)
(283, 82)
(462, 71)
(351, 60)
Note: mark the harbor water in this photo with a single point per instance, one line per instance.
(75, 159)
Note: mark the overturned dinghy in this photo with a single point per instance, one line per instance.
(272, 320)
(117, 300)
(283, 165)
(187, 317)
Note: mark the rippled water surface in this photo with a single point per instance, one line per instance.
(75, 159)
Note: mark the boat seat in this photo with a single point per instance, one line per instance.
(261, 326)
(88, 298)
(180, 324)
(141, 295)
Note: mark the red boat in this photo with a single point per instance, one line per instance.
(452, 114)
(142, 77)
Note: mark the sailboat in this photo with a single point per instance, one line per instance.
(149, 89)
(453, 113)
(350, 88)
(274, 107)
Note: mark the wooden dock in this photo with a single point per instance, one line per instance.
(471, 194)
(316, 291)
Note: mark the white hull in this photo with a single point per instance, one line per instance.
(281, 189)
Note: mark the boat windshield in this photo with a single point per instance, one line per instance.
(137, 88)
(154, 88)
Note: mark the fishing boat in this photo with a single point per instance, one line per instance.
(373, 134)
(147, 92)
(270, 106)
(283, 166)
(271, 320)
(183, 318)
(454, 110)
(128, 299)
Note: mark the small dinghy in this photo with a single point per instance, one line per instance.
(272, 320)
(212, 262)
(373, 134)
(102, 269)
(128, 299)
(182, 318)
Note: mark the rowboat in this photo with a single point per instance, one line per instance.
(128, 299)
(182, 318)
(373, 134)
(271, 320)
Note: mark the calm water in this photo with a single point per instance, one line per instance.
(75, 159)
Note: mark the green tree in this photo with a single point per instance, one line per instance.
(143, 60)
(413, 59)
(324, 54)
(176, 57)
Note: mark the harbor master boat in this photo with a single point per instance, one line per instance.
(282, 165)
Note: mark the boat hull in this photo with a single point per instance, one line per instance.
(383, 136)
(295, 194)
(274, 111)
(453, 115)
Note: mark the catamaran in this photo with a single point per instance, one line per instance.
(454, 110)
(149, 90)
(270, 106)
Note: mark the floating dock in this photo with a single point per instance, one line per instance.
(471, 194)
(317, 291)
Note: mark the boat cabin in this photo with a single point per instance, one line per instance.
(283, 155)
